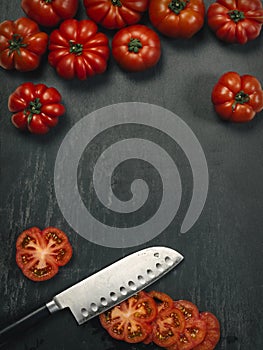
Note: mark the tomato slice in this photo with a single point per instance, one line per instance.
(39, 254)
(193, 334)
(130, 320)
(189, 309)
(212, 332)
(167, 327)
(162, 300)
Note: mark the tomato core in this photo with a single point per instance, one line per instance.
(47, 1)
(116, 3)
(134, 45)
(34, 107)
(15, 43)
(236, 15)
(240, 98)
(177, 6)
(75, 48)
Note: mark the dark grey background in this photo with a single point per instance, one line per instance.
(222, 271)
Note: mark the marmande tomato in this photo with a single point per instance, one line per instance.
(136, 48)
(130, 320)
(237, 98)
(49, 13)
(22, 44)
(236, 21)
(39, 254)
(78, 50)
(177, 18)
(115, 14)
(36, 107)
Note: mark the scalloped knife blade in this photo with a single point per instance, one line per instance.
(104, 289)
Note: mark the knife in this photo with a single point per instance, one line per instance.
(104, 289)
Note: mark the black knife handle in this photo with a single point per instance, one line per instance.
(23, 324)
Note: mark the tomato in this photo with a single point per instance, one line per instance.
(115, 14)
(78, 50)
(36, 107)
(189, 309)
(163, 300)
(136, 48)
(22, 44)
(39, 254)
(49, 13)
(193, 334)
(212, 332)
(167, 327)
(130, 320)
(177, 18)
(235, 21)
(237, 98)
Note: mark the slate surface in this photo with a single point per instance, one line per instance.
(222, 271)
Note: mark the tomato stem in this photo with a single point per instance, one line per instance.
(236, 15)
(177, 6)
(240, 98)
(47, 1)
(16, 43)
(34, 107)
(116, 3)
(75, 48)
(134, 45)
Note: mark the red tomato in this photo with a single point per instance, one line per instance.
(115, 14)
(177, 18)
(193, 334)
(136, 48)
(163, 300)
(131, 320)
(49, 13)
(39, 254)
(36, 107)
(237, 98)
(167, 327)
(22, 44)
(212, 332)
(235, 21)
(189, 310)
(77, 49)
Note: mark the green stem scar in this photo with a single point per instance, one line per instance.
(116, 3)
(240, 98)
(236, 15)
(177, 6)
(34, 107)
(16, 43)
(75, 48)
(134, 45)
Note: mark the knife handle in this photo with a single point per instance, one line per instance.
(23, 324)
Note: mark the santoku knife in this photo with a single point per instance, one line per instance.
(104, 289)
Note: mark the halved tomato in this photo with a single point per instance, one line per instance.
(130, 320)
(212, 332)
(40, 253)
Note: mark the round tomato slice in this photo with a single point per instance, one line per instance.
(162, 300)
(130, 320)
(188, 308)
(40, 253)
(194, 334)
(167, 327)
(212, 332)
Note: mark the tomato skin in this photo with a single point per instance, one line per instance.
(189, 309)
(235, 21)
(237, 98)
(78, 50)
(144, 54)
(36, 107)
(39, 254)
(49, 14)
(212, 332)
(183, 24)
(130, 321)
(115, 14)
(22, 44)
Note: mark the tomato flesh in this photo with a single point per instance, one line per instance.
(40, 253)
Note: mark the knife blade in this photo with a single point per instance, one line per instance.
(104, 289)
